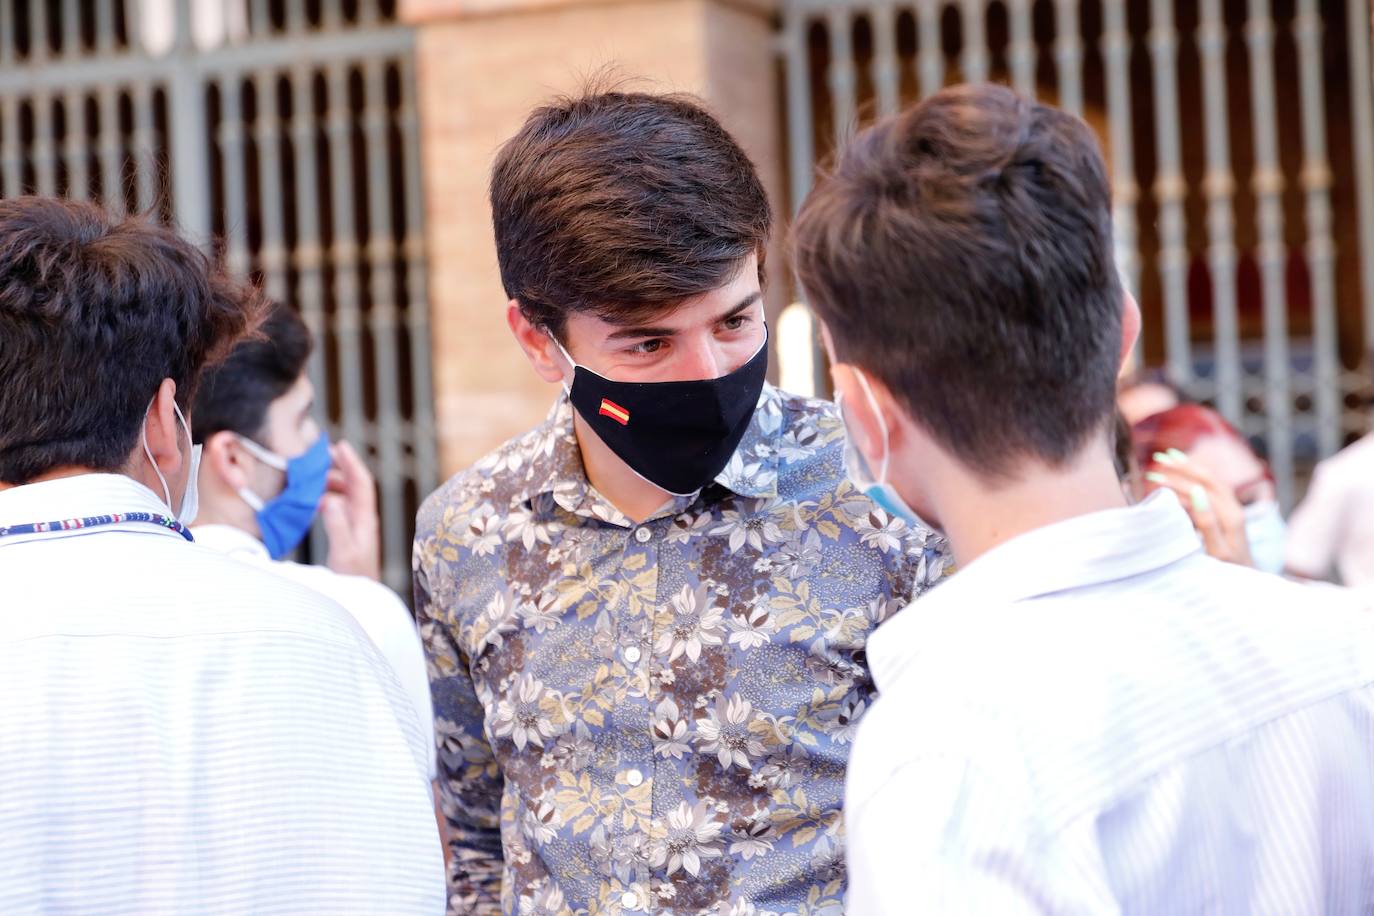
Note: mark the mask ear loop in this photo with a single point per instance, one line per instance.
(267, 457)
(882, 425)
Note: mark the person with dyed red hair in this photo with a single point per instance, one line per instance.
(1226, 488)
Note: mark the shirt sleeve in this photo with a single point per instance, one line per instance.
(469, 778)
(1314, 530)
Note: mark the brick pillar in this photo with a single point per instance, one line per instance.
(482, 65)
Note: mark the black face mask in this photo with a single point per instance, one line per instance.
(676, 435)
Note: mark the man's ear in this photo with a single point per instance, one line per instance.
(539, 348)
(864, 425)
(1130, 326)
(226, 460)
(163, 429)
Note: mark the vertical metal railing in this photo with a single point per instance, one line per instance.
(299, 141)
(1246, 345)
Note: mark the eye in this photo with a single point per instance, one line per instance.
(735, 322)
(647, 347)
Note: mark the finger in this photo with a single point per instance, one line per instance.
(335, 482)
(334, 515)
(359, 483)
(1177, 463)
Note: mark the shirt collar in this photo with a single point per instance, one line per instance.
(553, 461)
(234, 542)
(79, 496)
(1081, 552)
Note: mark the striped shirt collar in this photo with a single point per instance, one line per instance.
(1080, 552)
(77, 497)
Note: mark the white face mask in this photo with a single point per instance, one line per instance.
(877, 489)
(190, 498)
(1265, 532)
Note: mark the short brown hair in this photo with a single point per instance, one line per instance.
(622, 205)
(94, 313)
(962, 254)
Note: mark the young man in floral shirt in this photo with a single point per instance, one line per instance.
(646, 617)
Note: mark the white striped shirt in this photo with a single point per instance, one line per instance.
(180, 732)
(1097, 718)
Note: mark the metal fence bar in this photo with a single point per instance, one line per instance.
(7, 36)
(800, 147)
(1170, 188)
(39, 10)
(261, 18)
(1362, 127)
(1268, 185)
(272, 257)
(144, 147)
(1021, 53)
(930, 56)
(1116, 52)
(886, 72)
(344, 255)
(11, 177)
(974, 59)
(111, 152)
(232, 153)
(382, 318)
(104, 26)
(417, 287)
(1219, 188)
(1321, 249)
(841, 75)
(74, 146)
(71, 29)
(309, 253)
(1068, 55)
(44, 150)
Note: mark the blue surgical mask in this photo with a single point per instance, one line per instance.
(285, 519)
(1265, 532)
(876, 488)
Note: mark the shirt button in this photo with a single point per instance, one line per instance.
(634, 778)
(643, 534)
(632, 654)
(629, 900)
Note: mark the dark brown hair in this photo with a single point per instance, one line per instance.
(961, 253)
(622, 205)
(94, 313)
(235, 394)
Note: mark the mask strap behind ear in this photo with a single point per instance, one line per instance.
(267, 457)
(566, 355)
(882, 424)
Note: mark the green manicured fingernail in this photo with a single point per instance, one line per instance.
(1200, 501)
(1162, 458)
(1156, 477)
(1177, 455)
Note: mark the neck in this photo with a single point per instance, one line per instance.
(221, 506)
(978, 516)
(634, 496)
(54, 474)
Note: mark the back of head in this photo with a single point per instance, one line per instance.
(961, 253)
(234, 394)
(94, 313)
(621, 205)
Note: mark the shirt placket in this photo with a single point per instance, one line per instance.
(635, 768)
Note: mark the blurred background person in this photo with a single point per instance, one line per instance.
(179, 732)
(268, 469)
(1225, 487)
(1144, 394)
(1331, 533)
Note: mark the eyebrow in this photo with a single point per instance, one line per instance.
(637, 332)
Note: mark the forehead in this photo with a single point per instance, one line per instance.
(700, 310)
(1232, 463)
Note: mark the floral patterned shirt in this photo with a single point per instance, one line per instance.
(656, 717)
